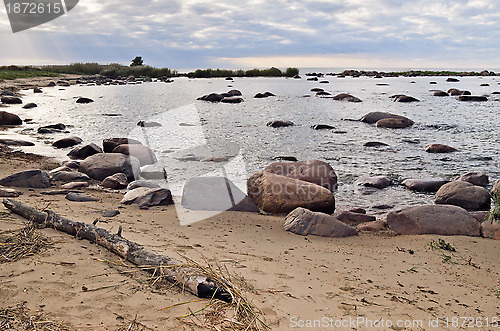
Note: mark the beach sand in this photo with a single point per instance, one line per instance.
(295, 278)
(356, 282)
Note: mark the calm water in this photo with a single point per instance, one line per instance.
(239, 131)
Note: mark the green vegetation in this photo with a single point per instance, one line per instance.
(13, 72)
(112, 70)
(214, 73)
(494, 213)
(138, 61)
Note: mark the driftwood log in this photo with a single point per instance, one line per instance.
(174, 270)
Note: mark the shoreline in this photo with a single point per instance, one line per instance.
(296, 279)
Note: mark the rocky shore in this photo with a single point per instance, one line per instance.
(369, 266)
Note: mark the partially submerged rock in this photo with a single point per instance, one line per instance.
(83, 152)
(9, 119)
(346, 97)
(434, 219)
(279, 124)
(465, 195)
(108, 145)
(475, 178)
(144, 154)
(439, 148)
(67, 142)
(305, 222)
(424, 185)
(376, 116)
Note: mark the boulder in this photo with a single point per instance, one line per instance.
(394, 123)
(475, 178)
(116, 181)
(78, 197)
(69, 176)
(8, 192)
(404, 98)
(424, 185)
(148, 197)
(84, 100)
(463, 194)
(153, 171)
(269, 94)
(10, 100)
(496, 188)
(67, 142)
(376, 116)
(109, 144)
(452, 80)
(215, 194)
(142, 183)
(30, 105)
(144, 154)
(145, 124)
(322, 127)
(375, 144)
(320, 93)
(439, 148)
(9, 119)
(454, 92)
(29, 178)
(279, 124)
(260, 96)
(15, 142)
(441, 94)
(212, 97)
(73, 185)
(234, 93)
(377, 225)
(472, 98)
(317, 89)
(346, 97)
(110, 213)
(232, 100)
(434, 219)
(37, 90)
(52, 128)
(378, 182)
(83, 152)
(102, 165)
(279, 194)
(312, 171)
(491, 229)
(352, 218)
(305, 222)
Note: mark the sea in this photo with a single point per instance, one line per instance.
(237, 138)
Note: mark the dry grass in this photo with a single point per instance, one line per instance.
(19, 317)
(22, 243)
(239, 314)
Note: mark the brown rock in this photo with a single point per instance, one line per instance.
(312, 171)
(109, 144)
(279, 194)
(9, 119)
(439, 148)
(474, 178)
(116, 181)
(353, 219)
(434, 219)
(148, 197)
(73, 185)
(424, 185)
(491, 229)
(463, 194)
(376, 116)
(394, 123)
(102, 165)
(304, 222)
(377, 225)
(29, 178)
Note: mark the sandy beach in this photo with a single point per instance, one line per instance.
(376, 280)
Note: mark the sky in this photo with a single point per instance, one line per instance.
(366, 34)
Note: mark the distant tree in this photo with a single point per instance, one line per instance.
(290, 72)
(137, 61)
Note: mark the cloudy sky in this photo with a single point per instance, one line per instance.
(258, 33)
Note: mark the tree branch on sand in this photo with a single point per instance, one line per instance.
(175, 271)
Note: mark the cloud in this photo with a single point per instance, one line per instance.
(192, 33)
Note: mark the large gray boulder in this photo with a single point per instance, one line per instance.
(102, 165)
(215, 194)
(434, 219)
(29, 178)
(144, 154)
(463, 194)
(279, 194)
(305, 222)
(312, 171)
(148, 197)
